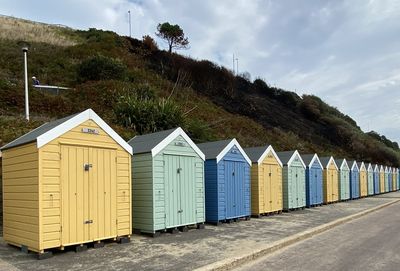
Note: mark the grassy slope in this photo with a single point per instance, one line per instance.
(240, 111)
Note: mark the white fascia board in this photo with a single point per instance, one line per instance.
(355, 166)
(344, 162)
(296, 153)
(370, 168)
(315, 157)
(363, 166)
(68, 125)
(265, 153)
(233, 142)
(333, 160)
(381, 169)
(376, 168)
(386, 169)
(178, 132)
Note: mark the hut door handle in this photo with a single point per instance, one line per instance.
(87, 166)
(89, 221)
(179, 170)
(270, 174)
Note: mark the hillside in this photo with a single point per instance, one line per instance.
(138, 88)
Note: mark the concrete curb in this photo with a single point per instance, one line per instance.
(230, 263)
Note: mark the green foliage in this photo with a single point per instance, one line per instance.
(149, 43)
(146, 115)
(124, 80)
(384, 140)
(94, 35)
(199, 131)
(173, 35)
(100, 67)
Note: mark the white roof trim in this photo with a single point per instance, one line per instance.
(313, 160)
(386, 169)
(233, 142)
(363, 166)
(376, 168)
(178, 132)
(370, 168)
(334, 163)
(390, 170)
(267, 150)
(381, 169)
(66, 126)
(293, 156)
(355, 164)
(344, 163)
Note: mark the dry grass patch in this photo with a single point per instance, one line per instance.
(28, 31)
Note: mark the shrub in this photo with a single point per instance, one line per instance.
(146, 115)
(149, 43)
(100, 67)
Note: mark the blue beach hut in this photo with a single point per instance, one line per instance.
(376, 179)
(313, 179)
(227, 181)
(354, 180)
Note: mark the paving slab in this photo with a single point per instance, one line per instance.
(196, 248)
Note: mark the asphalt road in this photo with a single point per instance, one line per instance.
(371, 242)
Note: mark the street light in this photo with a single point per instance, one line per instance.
(129, 18)
(25, 51)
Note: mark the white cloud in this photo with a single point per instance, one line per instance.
(344, 51)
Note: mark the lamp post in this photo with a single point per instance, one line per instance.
(25, 51)
(129, 18)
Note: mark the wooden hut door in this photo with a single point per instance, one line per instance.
(180, 199)
(267, 196)
(88, 178)
(172, 191)
(230, 187)
(187, 182)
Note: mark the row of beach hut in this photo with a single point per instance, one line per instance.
(75, 181)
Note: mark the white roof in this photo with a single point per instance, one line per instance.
(315, 158)
(330, 161)
(52, 130)
(370, 168)
(296, 153)
(362, 167)
(344, 162)
(376, 168)
(355, 166)
(78, 119)
(381, 169)
(234, 142)
(171, 137)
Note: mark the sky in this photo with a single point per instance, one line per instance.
(345, 51)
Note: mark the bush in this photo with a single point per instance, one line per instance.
(146, 115)
(149, 43)
(100, 67)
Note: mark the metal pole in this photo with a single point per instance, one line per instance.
(25, 50)
(129, 17)
(233, 63)
(237, 65)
